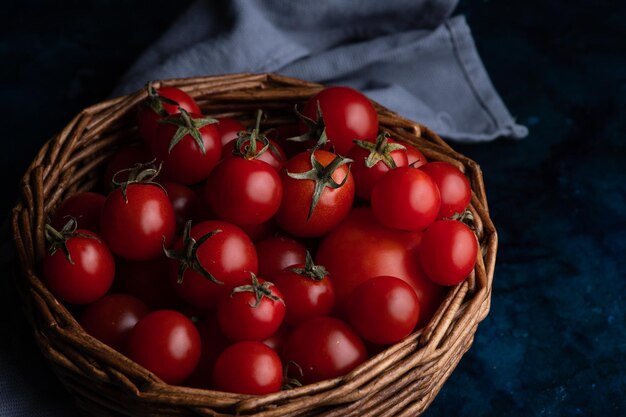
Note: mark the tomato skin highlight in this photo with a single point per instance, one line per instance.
(138, 228)
(332, 207)
(88, 278)
(324, 348)
(167, 344)
(347, 114)
(375, 250)
(406, 199)
(383, 310)
(448, 252)
(248, 368)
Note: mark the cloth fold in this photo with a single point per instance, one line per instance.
(409, 55)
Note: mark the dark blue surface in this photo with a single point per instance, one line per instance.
(553, 344)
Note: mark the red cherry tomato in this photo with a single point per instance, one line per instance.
(297, 214)
(155, 108)
(383, 310)
(183, 200)
(112, 317)
(372, 161)
(83, 274)
(167, 344)
(278, 253)
(85, 207)
(147, 281)
(307, 290)
(185, 161)
(406, 199)
(323, 348)
(138, 227)
(243, 191)
(453, 186)
(228, 256)
(415, 157)
(254, 310)
(348, 115)
(123, 160)
(360, 248)
(273, 156)
(213, 344)
(248, 368)
(448, 252)
(229, 129)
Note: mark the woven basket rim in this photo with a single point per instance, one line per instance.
(56, 172)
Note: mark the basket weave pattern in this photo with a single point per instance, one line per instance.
(402, 380)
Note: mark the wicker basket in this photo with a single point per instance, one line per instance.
(402, 380)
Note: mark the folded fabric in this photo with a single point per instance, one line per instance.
(408, 55)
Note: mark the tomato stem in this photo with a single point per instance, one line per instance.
(259, 291)
(58, 238)
(187, 125)
(188, 256)
(322, 175)
(380, 150)
(310, 270)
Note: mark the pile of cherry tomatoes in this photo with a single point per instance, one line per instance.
(249, 260)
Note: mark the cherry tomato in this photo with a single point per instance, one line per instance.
(307, 290)
(448, 252)
(254, 310)
(415, 157)
(84, 272)
(183, 200)
(188, 145)
(167, 344)
(372, 161)
(147, 281)
(161, 103)
(453, 186)
(360, 248)
(85, 207)
(248, 368)
(406, 199)
(227, 256)
(137, 227)
(213, 344)
(348, 115)
(112, 317)
(123, 160)
(229, 128)
(273, 156)
(300, 213)
(383, 309)
(243, 191)
(278, 253)
(323, 348)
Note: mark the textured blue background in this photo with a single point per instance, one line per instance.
(553, 344)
